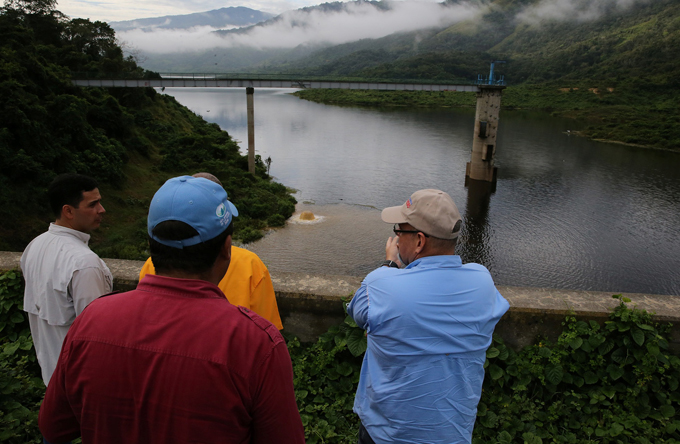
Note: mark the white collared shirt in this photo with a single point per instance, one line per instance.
(62, 277)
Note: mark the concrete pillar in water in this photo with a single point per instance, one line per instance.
(481, 164)
(251, 130)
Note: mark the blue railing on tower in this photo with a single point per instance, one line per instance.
(491, 79)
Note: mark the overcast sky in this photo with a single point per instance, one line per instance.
(116, 10)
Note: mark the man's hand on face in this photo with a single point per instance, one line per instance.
(392, 250)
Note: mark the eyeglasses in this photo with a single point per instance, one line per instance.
(399, 232)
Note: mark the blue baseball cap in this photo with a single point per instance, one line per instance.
(198, 202)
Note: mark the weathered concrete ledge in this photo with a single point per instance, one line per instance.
(309, 304)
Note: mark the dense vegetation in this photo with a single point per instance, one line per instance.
(130, 139)
(616, 45)
(21, 386)
(618, 73)
(612, 383)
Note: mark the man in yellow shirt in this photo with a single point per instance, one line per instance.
(247, 281)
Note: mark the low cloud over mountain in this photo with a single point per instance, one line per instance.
(573, 10)
(335, 23)
(353, 21)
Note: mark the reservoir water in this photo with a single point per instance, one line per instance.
(566, 212)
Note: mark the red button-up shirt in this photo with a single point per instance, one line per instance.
(171, 362)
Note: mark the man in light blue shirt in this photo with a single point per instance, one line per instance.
(429, 325)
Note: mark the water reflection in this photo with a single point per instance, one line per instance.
(566, 213)
(475, 242)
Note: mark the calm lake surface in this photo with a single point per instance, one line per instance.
(566, 212)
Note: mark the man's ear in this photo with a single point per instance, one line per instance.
(67, 212)
(225, 251)
(422, 240)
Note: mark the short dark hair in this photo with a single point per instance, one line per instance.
(443, 244)
(67, 189)
(197, 258)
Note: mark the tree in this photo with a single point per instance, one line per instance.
(96, 39)
(39, 7)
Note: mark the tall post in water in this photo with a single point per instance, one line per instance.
(481, 164)
(251, 130)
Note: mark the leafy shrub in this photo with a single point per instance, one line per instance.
(21, 388)
(276, 221)
(248, 234)
(326, 378)
(611, 383)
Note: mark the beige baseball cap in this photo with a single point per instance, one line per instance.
(430, 211)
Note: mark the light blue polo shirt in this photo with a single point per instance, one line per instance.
(429, 326)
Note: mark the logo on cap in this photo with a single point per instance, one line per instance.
(409, 202)
(221, 210)
(223, 214)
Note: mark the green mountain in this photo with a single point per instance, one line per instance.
(640, 41)
(217, 18)
(618, 70)
(130, 139)
(611, 40)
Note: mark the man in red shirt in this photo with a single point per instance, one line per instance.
(173, 361)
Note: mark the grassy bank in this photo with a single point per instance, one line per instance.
(638, 114)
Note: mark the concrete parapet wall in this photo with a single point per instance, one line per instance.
(309, 304)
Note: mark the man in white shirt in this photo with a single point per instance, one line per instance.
(62, 274)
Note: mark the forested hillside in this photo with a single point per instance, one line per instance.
(619, 71)
(642, 40)
(131, 140)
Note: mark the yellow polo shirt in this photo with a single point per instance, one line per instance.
(246, 283)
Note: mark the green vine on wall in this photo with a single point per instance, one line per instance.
(610, 383)
(21, 388)
(326, 378)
